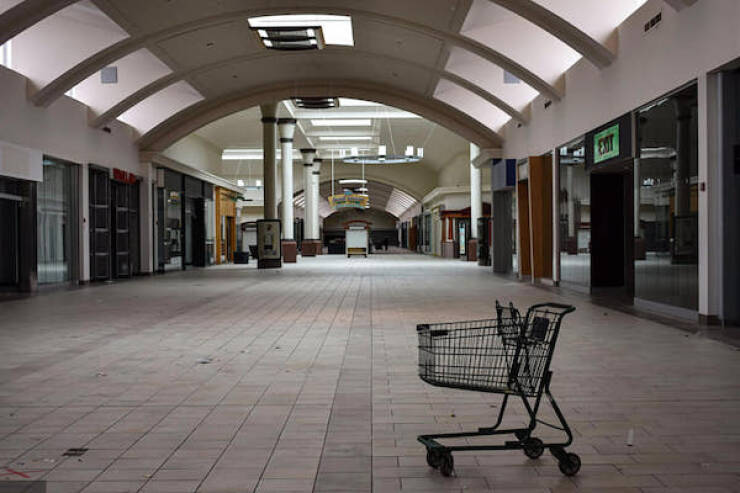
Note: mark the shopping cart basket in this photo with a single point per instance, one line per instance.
(509, 355)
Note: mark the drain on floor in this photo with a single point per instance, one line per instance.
(74, 452)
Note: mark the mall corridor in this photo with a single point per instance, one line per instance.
(233, 379)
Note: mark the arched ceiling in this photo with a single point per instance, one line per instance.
(470, 65)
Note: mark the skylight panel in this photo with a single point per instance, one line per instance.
(336, 29)
(334, 122)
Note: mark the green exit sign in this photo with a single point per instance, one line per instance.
(606, 144)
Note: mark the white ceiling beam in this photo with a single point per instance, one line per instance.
(20, 17)
(346, 112)
(56, 88)
(566, 32)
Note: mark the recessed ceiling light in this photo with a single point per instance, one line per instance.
(336, 29)
(329, 122)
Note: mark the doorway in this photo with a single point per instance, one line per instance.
(9, 248)
(612, 264)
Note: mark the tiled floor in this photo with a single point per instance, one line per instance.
(304, 379)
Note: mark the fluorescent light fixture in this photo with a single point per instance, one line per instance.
(353, 181)
(251, 154)
(337, 29)
(354, 151)
(356, 102)
(381, 150)
(347, 137)
(420, 152)
(240, 183)
(262, 33)
(409, 150)
(329, 122)
(361, 189)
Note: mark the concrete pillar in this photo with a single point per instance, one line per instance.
(315, 221)
(147, 221)
(269, 169)
(286, 127)
(476, 205)
(310, 246)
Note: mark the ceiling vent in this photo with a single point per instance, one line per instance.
(653, 23)
(314, 103)
(293, 38)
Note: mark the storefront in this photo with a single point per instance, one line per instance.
(575, 216)
(57, 219)
(186, 234)
(17, 235)
(226, 225)
(666, 190)
(628, 207)
(114, 220)
(503, 227)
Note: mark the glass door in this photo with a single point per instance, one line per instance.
(99, 225)
(56, 223)
(9, 259)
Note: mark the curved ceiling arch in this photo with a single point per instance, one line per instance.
(207, 111)
(170, 79)
(55, 89)
(20, 17)
(547, 20)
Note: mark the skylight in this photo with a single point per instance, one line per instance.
(356, 102)
(333, 122)
(336, 29)
(346, 137)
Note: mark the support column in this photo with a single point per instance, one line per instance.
(269, 180)
(84, 230)
(556, 214)
(286, 126)
(147, 214)
(712, 300)
(309, 244)
(316, 221)
(476, 205)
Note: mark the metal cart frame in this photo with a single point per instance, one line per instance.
(518, 338)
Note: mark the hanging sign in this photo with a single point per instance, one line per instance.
(349, 200)
(606, 144)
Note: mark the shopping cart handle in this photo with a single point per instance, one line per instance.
(560, 306)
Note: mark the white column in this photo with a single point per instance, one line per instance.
(556, 213)
(84, 216)
(308, 157)
(269, 169)
(147, 214)
(711, 296)
(476, 205)
(315, 222)
(286, 126)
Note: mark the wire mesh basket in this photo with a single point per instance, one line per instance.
(508, 354)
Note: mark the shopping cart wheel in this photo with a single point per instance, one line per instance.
(571, 465)
(433, 457)
(533, 448)
(446, 464)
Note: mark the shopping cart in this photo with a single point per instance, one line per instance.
(509, 355)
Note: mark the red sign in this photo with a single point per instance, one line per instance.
(124, 176)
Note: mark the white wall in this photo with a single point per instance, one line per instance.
(61, 130)
(685, 45)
